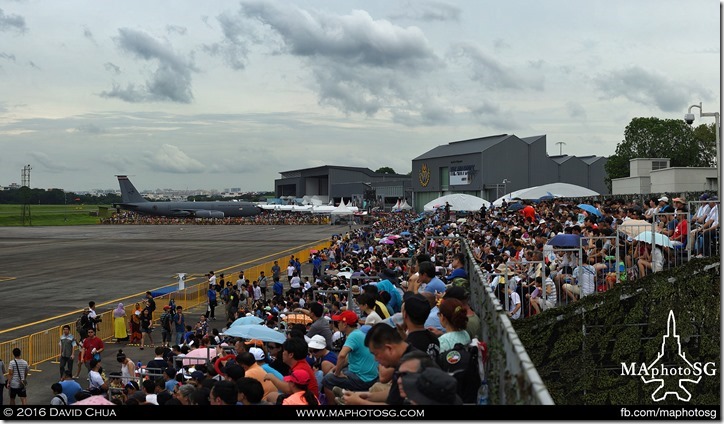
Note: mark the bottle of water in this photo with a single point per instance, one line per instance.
(483, 393)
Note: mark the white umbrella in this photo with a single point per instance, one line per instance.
(654, 238)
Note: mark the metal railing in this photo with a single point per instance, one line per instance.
(43, 346)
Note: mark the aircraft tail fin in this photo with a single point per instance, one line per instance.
(129, 194)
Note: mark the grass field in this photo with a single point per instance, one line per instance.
(11, 215)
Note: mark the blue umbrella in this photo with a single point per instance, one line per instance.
(516, 207)
(258, 332)
(405, 233)
(565, 240)
(590, 209)
(250, 320)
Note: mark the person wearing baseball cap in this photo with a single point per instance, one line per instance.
(356, 368)
(324, 359)
(250, 362)
(301, 394)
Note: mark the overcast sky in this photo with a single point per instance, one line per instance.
(218, 94)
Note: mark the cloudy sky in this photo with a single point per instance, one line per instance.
(216, 94)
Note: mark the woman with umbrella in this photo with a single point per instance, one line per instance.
(652, 258)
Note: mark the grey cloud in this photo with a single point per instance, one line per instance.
(429, 11)
(12, 22)
(88, 34)
(576, 110)
(33, 65)
(7, 56)
(490, 73)
(649, 88)
(492, 116)
(116, 162)
(171, 81)
(234, 48)
(356, 39)
(359, 64)
(171, 159)
(111, 67)
(49, 164)
(536, 64)
(177, 29)
(500, 44)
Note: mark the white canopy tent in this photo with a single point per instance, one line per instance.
(341, 214)
(404, 206)
(458, 202)
(553, 189)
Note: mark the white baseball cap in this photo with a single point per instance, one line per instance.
(317, 342)
(258, 353)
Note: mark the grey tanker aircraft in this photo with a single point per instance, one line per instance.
(133, 201)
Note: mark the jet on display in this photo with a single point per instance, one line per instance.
(133, 201)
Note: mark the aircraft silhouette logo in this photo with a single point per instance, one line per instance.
(675, 382)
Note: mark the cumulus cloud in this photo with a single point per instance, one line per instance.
(12, 22)
(358, 64)
(650, 88)
(171, 81)
(428, 11)
(170, 158)
(234, 47)
(489, 72)
(50, 164)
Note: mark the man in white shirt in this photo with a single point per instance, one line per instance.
(240, 282)
(290, 272)
(212, 280)
(515, 307)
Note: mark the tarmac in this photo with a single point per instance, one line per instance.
(49, 272)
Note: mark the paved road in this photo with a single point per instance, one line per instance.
(50, 271)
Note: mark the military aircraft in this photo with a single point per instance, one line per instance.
(133, 201)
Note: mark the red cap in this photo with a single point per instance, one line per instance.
(298, 377)
(347, 317)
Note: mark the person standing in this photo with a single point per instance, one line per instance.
(211, 300)
(92, 347)
(275, 271)
(180, 324)
(240, 282)
(165, 320)
(3, 381)
(67, 350)
(262, 285)
(119, 324)
(151, 304)
(290, 271)
(128, 368)
(92, 316)
(146, 327)
(17, 376)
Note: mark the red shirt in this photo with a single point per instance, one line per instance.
(680, 232)
(304, 366)
(89, 344)
(529, 213)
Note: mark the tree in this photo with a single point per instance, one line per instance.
(662, 138)
(385, 170)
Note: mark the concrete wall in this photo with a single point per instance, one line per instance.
(679, 180)
(631, 185)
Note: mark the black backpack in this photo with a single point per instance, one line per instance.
(461, 362)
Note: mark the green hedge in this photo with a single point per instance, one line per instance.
(626, 325)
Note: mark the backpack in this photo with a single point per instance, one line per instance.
(461, 362)
(166, 320)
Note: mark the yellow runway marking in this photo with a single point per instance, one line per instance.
(76, 312)
(6, 278)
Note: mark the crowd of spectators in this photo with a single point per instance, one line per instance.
(385, 304)
(263, 218)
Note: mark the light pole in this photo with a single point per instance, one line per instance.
(689, 118)
(505, 186)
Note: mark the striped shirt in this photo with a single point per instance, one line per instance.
(20, 372)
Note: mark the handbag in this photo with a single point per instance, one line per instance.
(24, 380)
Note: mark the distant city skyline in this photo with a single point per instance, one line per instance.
(231, 93)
